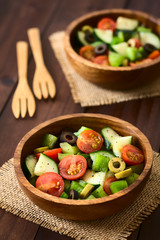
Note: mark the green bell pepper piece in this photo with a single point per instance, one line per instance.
(118, 186)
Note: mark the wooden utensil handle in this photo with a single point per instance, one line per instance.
(22, 58)
(35, 42)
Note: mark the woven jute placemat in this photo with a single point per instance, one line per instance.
(116, 227)
(88, 94)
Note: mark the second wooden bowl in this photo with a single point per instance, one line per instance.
(118, 78)
(82, 209)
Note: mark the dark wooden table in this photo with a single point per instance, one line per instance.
(50, 16)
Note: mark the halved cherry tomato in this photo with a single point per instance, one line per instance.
(72, 167)
(87, 52)
(132, 155)
(89, 141)
(154, 54)
(51, 183)
(102, 60)
(53, 153)
(107, 183)
(106, 23)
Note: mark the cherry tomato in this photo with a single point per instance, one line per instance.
(107, 183)
(154, 54)
(72, 167)
(87, 52)
(134, 42)
(89, 141)
(132, 155)
(102, 60)
(51, 183)
(53, 153)
(106, 23)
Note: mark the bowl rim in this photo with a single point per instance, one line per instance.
(77, 57)
(39, 194)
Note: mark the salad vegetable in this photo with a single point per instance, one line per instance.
(84, 164)
(120, 42)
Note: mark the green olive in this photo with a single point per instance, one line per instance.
(116, 165)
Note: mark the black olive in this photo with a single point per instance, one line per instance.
(68, 137)
(89, 37)
(89, 163)
(149, 47)
(100, 49)
(73, 194)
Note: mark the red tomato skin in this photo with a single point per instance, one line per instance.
(71, 163)
(107, 183)
(101, 60)
(87, 52)
(106, 23)
(132, 155)
(47, 182)
(86, 142)
(53, 153)
(154, 54)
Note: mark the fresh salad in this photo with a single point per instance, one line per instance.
(84, 164)
(124, 42)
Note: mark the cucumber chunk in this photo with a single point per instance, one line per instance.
(121, 48)
(148, 37)
(99, 192)
(104, 35)
(137, 168)
(45, 164)
(62, 155)
(64, 195)
(67, 148)
(132, 178)
(115, 59)
(49, 140)
(103, 153)
(119, 142)
(118, 186)
(77, 187)
(109, 135)
(143, 29)
(67, 186)
(90, 197)
(126, 23)
(30, 163)
(81, 130)
(82, 183)
(100, 164)
(94, 178)
(81, 38)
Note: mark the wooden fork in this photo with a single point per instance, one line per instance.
(43, 84)
(23, 98)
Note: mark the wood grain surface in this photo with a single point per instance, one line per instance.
(51, 16)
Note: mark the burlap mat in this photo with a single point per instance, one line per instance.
(88, 94)
(118, 226)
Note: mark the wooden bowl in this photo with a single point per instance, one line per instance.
(118, 78)
(82, 209)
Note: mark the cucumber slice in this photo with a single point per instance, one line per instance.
(148, 37)
(81, 130)
(82, 183)
(67, 148)
(62, 155)
(143, 29)
(103, 153)
(94, 178)
(90, 197)
(45, 164)
(115, 59)
(81, 38)
(49, 140)
(30, 163)
(109, 135)
(120, 48)
(99, 192)
(77, 187)
(104, 35)
(126, 23)
(119, 142)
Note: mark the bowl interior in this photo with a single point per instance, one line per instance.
(95, 121)
(93, 18)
